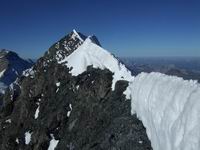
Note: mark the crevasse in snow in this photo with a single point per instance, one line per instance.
(90, 54)
(169, 108)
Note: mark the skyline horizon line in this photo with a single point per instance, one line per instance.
(136, 56)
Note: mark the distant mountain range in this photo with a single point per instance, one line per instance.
(11, 67)
(188, 67)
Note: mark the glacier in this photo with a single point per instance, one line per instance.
(169, 108)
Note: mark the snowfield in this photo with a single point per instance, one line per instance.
(169, 108)
(91, 54)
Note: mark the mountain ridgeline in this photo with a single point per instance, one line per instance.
(71, 99)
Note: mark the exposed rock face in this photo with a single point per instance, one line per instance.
(50, 108)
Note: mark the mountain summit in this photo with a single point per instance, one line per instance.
(72, 98)
(88, 52)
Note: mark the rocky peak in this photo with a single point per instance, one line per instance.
(66, 45)
(67, 107)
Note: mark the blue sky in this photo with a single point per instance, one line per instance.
(124, 27)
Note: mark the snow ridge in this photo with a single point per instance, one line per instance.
(75, 34)
(91, 54)
(169, 108)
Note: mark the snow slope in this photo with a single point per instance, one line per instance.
(169, 108)
(89, 54)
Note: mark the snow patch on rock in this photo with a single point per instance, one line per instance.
(77, 87)
(8, 121)
(53, 143)
(29, 72)
(58, 84)
(69, 112)
(37, 112)
(28, 137)
(17, 140)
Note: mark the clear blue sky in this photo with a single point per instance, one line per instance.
(124, 27)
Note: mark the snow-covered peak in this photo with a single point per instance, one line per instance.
(90, 54)
(64, 47)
